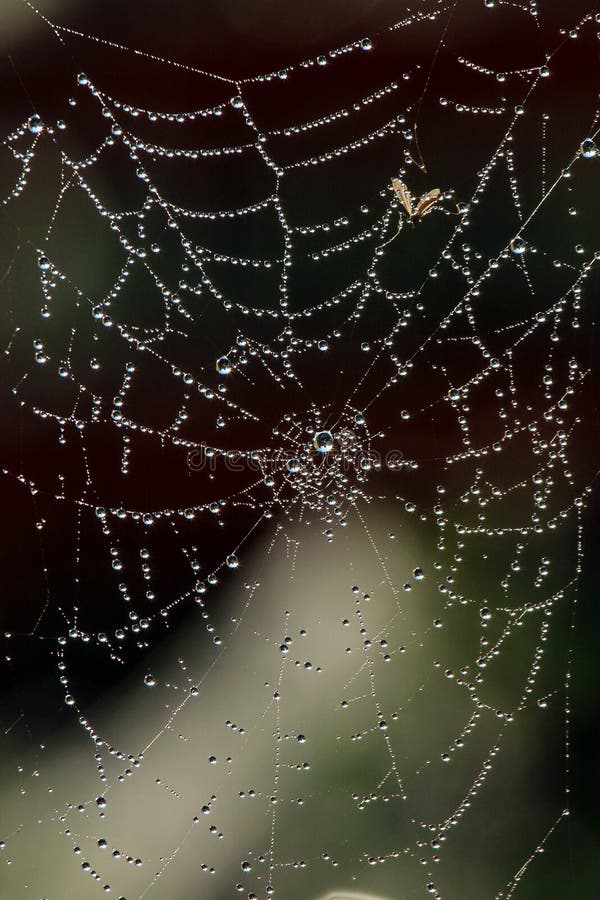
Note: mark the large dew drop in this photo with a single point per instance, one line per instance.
(223, 365)
(35, 124)
(323, 441)
(588, 148)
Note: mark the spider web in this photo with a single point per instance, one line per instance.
(307, 474)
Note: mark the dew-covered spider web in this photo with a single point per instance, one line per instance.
(295, 467)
